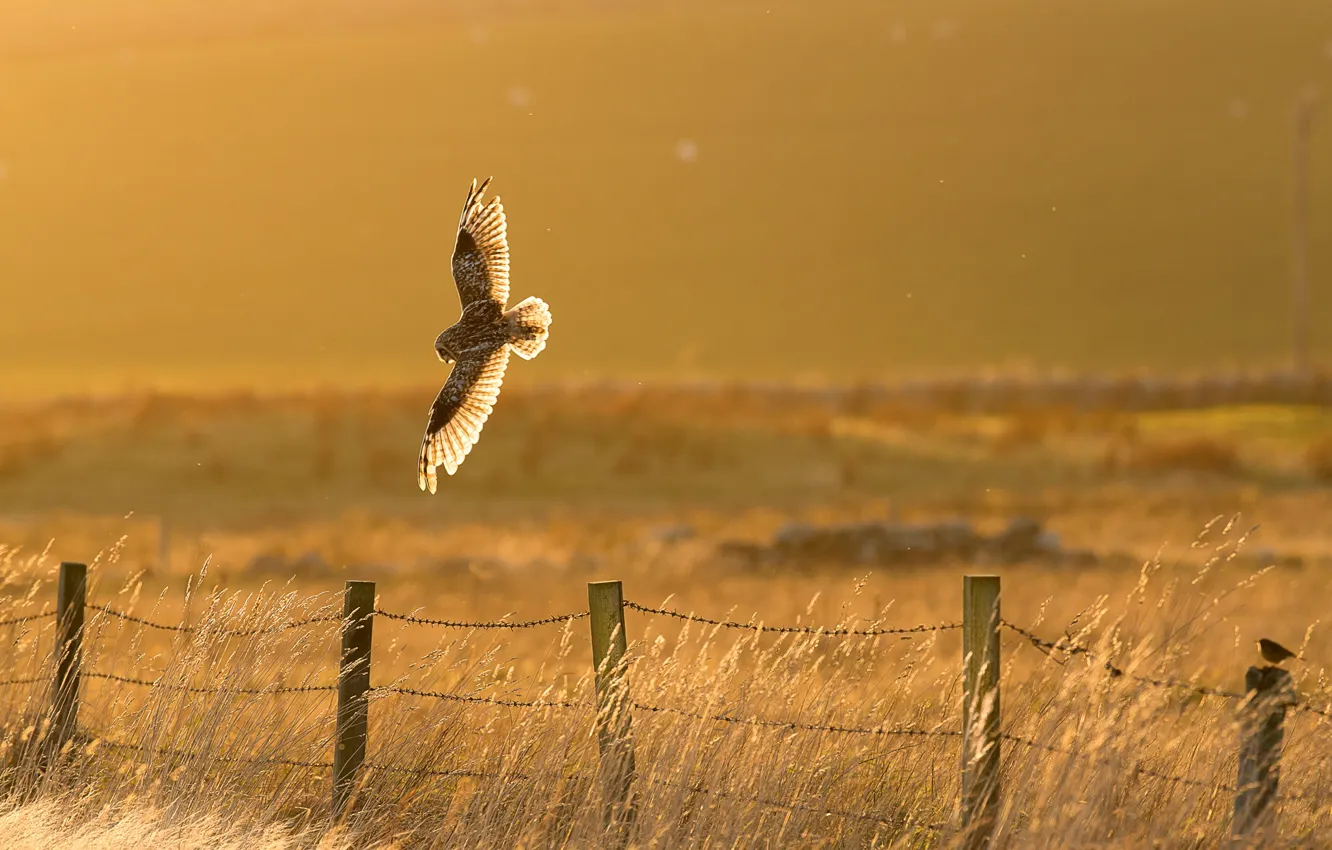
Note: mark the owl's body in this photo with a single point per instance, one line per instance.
(478, 344)
(480, 331)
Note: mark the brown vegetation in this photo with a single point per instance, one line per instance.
(1101, 743)
(1020, 432)
(1319, 459)
(676, 472)
(1191, 454)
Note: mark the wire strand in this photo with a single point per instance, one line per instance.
(809, 630)
(263, 630)
(200, 689)
(173, 753)
(1062, 645)
(508, 703)
(12, 621)
(481, 624)
(794, 807)
(795, 725)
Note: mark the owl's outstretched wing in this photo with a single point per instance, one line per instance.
(481, 254)
(459, 412)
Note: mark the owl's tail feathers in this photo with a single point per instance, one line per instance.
(529, 325)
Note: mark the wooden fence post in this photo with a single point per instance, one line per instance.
(358, 606)
(605, 602)
(1261, 737)
(980, 709)
(71, 595)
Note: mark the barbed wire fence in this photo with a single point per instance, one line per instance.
(1269, 695)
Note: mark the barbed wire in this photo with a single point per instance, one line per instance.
(425, 771)
(1137, 769)
(200, 689)
(656, 709)
(383, 768)
(262, 630)
(268, 630)
(543, 621)
(1181, 780)
(794, 807)
(1042, 644)
(508, 703)
(477, 774)
(1049, 748)
(108, 610)
(191, 754)
(1062, 645)
(13, 621)
(1201, 690)
(810, 630)
(482, 624)
(795, 725)
(1033, 744)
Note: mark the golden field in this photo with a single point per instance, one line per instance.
(289, 498)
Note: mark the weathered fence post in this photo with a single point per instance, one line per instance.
(358, 605)
(605, 602)
(980, 709)
(71, 595)
(1261, 735)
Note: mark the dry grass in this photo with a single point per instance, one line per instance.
(205, 768)
(286, 497)
(38, 825)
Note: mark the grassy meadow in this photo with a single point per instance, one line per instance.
(271, 502)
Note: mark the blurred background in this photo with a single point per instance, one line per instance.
(225, 233)
(263, 194)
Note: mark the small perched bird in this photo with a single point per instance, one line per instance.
(1273, 652)
(479, 343)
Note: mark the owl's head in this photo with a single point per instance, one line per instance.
(446, 347)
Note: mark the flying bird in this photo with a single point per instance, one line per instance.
(479, 343)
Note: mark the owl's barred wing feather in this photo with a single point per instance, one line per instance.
(481, 254)
(459, 412)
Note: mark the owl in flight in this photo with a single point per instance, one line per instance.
(478, 344)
